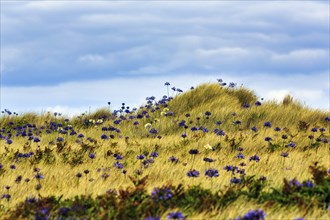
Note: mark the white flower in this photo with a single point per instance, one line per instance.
(147, 126)
(207, 146)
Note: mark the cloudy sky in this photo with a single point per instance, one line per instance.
(70, 56)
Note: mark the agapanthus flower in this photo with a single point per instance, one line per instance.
(161, 194)
(291, 144)
(308, 184)
(104, 137)
(8, 141)
(255, 158)
(314, 130)
(240, 156)
(285, 154)
(294, 182)
(253, 215)
(246, 105)
(118, 165)
(230, 168)
(257, 103)
(277, 129)
(92, 155)
(12, 167)
(193, 151)
(154, 154)
(212, 173)
(173, 159)
(193, 173)
(36, 140)
(254, 129)
(153, 131)
(175, 215)
(268, 139)
(235, 180)
(268, 124)
(140, 157)
(207, 113)
(209, 160)
(60, 139)
(39, 176)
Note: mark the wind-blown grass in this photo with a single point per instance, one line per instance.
(209, 108)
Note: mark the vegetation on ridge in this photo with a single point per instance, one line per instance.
(215, 151)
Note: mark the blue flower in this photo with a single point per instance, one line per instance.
(140, 157)
(118, 165)
(294, 183)
(92, 155)
(212, 173)
(255, 158)
(314, 129)
(308, 184)
(153, 131)
(268, 124)
(193, 151)
(257, 103)
(167, 84)
(60, 139)
(193, 173)
(285, 154)
(154, 154)
(175, 215)
(240, 156)
(209, 160)
(254, 129)
(230, 168)
(291, 144)
(104, 137)
(253, 215)
(268, 139)
(235, 180)
(161, 194)
(173, 159)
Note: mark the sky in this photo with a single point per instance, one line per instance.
(73, 56)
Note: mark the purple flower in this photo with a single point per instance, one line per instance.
(212, 173)
(173, 159)
(161, 194)
(235, 180)
(285, 154)
(209, 160)
(154, 154)
(193, 173)
(253, 215)
(118, 165)
(255, 157)
(104, 137)
(92, 155)
(314, 129)
(60, 139)
(291, 144)
(268, 139)
(230, 168)
(268, 124)
(254, 129)
(308, 184)
(140, 157)
(240, 156)
(193, 151)
(9, 141)
(175, 215)
(257, 103)
(294, 183)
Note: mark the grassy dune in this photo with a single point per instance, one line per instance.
(209, 121)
